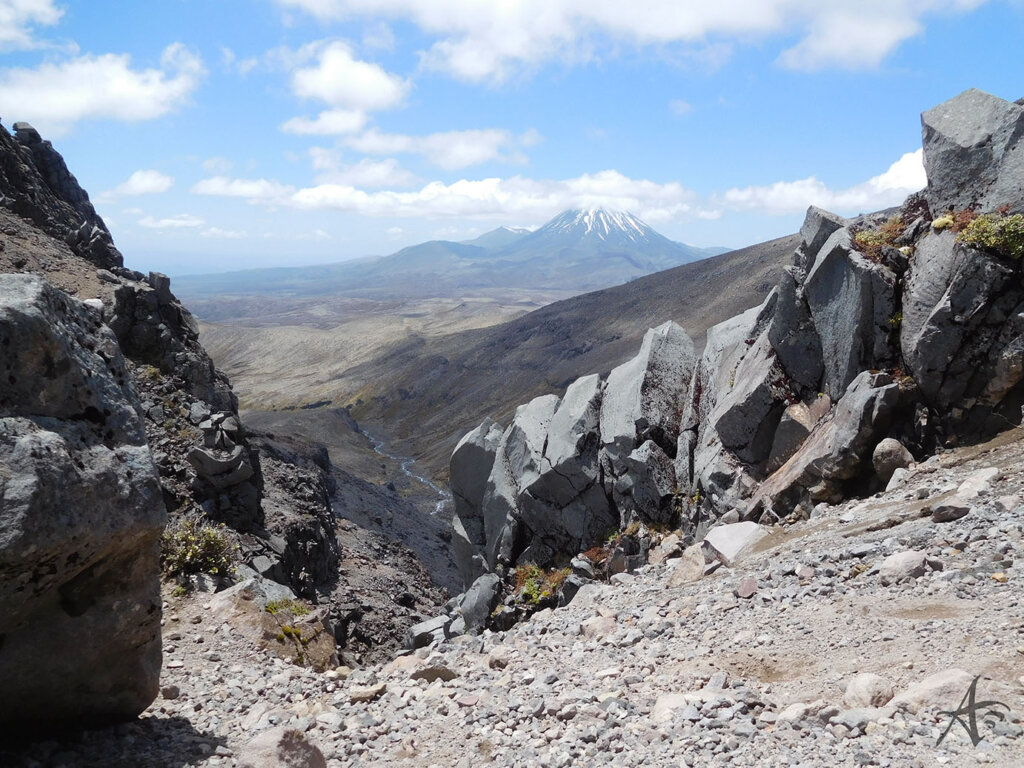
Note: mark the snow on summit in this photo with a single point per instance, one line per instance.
(600, 222)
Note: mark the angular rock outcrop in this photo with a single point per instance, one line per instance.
(566, 470)
(974, 153)
(80, 517)
(837, 448)
(852, 304)
(793, 335)
(963, 328)
(36, 184)
(274, 503)
(917, 339)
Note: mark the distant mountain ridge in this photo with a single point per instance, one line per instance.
(579, 250)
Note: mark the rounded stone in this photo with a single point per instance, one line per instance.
(888, 456)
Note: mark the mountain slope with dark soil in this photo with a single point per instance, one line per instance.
(426, 393)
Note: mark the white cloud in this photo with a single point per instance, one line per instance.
(145, 182)
(217, 165)
(379, 37)
(366, 173)
(330, 122)
(181, 221)
(330, 73)
(17, 17)
(450, 150)
(223, 234)
(250, 189)
(538, 199)
(339, 79)
(680, 107)
(56, 96)
(484, 198)
(230, 61)
(394, 233)
(491, 41)
(902, 178)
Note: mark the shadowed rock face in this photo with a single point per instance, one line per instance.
(36, 184)
(974, 153)
(80, 517)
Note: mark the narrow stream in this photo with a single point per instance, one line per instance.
(443, 496)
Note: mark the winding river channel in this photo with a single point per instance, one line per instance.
(406, 464)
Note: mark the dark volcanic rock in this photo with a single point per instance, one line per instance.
(80, 518)
(974, 154)
(36, 184)
(836, 448)
(852, 303)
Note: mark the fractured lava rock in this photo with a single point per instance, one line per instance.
(80, 519)
(861, 360)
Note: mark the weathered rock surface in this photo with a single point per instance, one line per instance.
(478, 602)
(835, 450)
(36, 184)
(935, 691)
(867, 690)
(901, 566)
(888, 456)
(471, 464)
(853, 365)
(973, 154)
(961, 332)
(729, 543)
(851, 302)
(792, 333)
(642, 397)
(81, 517)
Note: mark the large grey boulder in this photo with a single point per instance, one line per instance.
(471, 465)
(723, 350)
(517, 465)
(569, 460)
(889, 455)
(564, 507)
(852, 303)
(81, 514)
(647, 489)
(836, 449)
(962, 332)
(731, 542)
(794, 428)
(747, 412)
(973, 153)
(702, 461)
(819, 225)
(793, 335)
(924, 289)
(480, 599)
(642, 397)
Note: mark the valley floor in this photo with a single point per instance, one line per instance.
(640, 673)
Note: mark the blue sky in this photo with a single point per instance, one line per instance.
(229, 134)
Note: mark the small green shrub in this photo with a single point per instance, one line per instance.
(995, 232)
(534, 585)
(294, 607)
(189, 547)
(871, 241)
(896, 320)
